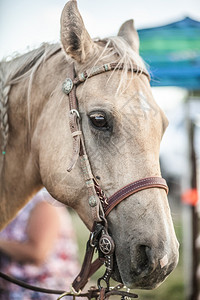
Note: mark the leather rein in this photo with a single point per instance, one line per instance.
(100, 205)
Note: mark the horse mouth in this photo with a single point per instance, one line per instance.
(116, 274)
(142, 281)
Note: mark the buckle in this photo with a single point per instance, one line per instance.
(75, 111)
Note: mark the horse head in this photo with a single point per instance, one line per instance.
(123, 127)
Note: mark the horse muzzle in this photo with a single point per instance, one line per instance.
(144, 267)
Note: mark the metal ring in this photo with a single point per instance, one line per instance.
(74, 292)
(75, 111)
(92, 239)
(63, 295)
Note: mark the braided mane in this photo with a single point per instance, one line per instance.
(4, 125)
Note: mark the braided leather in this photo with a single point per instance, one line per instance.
(104, 68)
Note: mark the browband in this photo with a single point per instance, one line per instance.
(107, 67)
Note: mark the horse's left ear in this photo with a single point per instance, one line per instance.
(128, 32)
(75, 39)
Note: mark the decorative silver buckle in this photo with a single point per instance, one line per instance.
(67, 86)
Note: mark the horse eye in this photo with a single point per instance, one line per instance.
(99, 120)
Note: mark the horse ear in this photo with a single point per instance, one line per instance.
(129, 33)
(74, 36)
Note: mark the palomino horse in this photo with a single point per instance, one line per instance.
(122, 128)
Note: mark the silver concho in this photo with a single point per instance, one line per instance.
(67, 86)
(92, 201)
(106, 244)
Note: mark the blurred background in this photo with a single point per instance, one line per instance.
(170, 45)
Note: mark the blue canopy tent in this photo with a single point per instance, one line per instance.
(173, 53)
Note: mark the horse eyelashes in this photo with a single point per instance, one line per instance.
(99, 121)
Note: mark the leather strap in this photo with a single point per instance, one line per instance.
(28, 286)
(73, 121)
(79, 146)
(107, 67)
(132, 188)
(88, 268)
(81, 280)
(92, 293)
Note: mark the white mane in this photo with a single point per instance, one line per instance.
(117, 50)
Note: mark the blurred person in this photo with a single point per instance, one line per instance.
(38, 247)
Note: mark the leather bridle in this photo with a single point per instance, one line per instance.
(100, 205)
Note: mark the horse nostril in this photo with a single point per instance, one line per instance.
(145, 263)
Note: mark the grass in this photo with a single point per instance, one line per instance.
(171, 289)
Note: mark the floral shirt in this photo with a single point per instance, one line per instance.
(60, 267)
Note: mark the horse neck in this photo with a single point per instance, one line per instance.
(20, 174)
